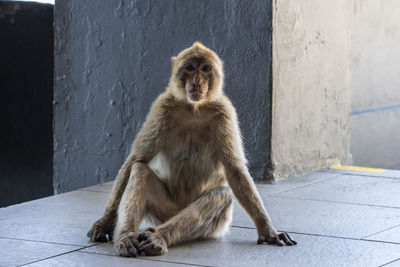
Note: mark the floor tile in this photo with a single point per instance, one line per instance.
(17, 252)
(352, 189)
(64, 218)
(239, 248)
(324, 218)
(80, 259)
(390, 235)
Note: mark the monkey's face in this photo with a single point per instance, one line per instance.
(196, 75)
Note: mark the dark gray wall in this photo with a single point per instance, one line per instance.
(112, 59)
(26, 94)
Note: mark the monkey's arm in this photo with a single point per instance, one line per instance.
(245, 190)
(144, 148)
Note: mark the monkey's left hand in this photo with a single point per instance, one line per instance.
(275, 238)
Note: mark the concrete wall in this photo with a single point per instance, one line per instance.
(311, 79)
(112, 58)
(375, 139)
(26, 94)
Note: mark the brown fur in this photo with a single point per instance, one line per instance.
(184, 164)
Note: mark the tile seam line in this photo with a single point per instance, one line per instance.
(390, 228)
(57, 255)
(40, 241)
(321, 235)
(390, 262)
(303, 185)
(360, 174)
(167, 261)
(95, 191)
(338, 202)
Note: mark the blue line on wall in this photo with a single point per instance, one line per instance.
(373, 110)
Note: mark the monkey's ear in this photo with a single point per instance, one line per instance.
(173, 60)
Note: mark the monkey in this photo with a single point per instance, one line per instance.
(185, 165)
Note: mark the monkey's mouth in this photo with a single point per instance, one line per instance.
(196, 95)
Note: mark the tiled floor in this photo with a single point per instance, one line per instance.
(339, 218)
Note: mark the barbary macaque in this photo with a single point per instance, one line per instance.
(184, 167)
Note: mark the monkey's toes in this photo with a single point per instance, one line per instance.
(127, 245)
(277, 240)
(151, 244)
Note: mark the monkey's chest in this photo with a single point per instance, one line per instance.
(186, 156)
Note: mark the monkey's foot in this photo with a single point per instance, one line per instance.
(100, 230)
(151, 243)
(275, 239)
(127, 244)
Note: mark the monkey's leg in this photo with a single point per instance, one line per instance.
(105, 225)
(144, 194)
(209, 216)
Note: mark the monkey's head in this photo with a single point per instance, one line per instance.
(197, 74)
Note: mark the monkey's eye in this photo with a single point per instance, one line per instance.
(206, 68)
(189, 67)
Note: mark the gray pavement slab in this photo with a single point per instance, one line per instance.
(351, 189)
(17, 252)
(64, 218)
(80, 259)
(390, 235)
(316, 209)
(323, 218)
(239, 248)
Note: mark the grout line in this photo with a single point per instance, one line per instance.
(87, 190)
(168, 261)
(329, 236)
(57, 255)
(381, 231)
(303, 185)
(360, 174)
(338, 202)
(39, 241)
(390, 262)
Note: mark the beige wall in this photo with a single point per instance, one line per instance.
(311, 78)
(375, 53)
(375, 139)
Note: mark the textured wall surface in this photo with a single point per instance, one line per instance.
(26, 93)
(112, 58)
(311, 78)
(375, 138)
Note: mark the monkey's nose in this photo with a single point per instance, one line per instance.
(195, 87)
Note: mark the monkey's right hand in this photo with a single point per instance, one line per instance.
(127, 244)
(100, 230)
